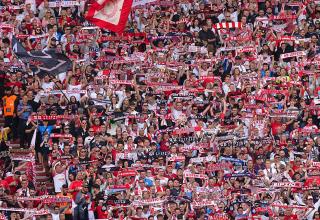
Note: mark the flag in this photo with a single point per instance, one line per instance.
(110, 14)
(34, 138)
(42, 62)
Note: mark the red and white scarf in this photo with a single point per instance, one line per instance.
(227, 25)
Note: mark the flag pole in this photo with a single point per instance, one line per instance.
(53, 76)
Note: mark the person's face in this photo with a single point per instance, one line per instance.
(25, 99)
(261, 13)
(176, 183)
(67, 30)
(228, 17)
(13, 215)
(283, 46)
(8, 92)
(139, 211)
(234, 111)
(64, 190)
(97, 121)
(85, 189)
(66, 148)
(83, 152)
(179, 106)
(310, 201)
(24, 184)
(91, 132)
(269, 11)
(79, 176)
(205, 27)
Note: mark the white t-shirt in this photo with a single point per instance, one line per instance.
(87, 140)
(176, 114)
(33, 5)
(55, 216)
(164, 181)
(233, 17)
(47, 86)
(225, 88)
(59, 179)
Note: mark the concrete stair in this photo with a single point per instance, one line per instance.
(42, 177)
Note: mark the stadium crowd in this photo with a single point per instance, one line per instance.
(201, 109)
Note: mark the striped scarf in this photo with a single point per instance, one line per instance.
(227, 25)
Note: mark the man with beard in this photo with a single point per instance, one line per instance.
(82, 201)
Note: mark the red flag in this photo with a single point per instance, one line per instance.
(110, 14)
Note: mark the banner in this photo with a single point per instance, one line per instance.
(57, 4)
(33, 211)
(122, 82)
(61, 92)
(277, 17)
(141, 2)
(50, 117)
(152, 202)
(235, 175)
(287, 184)
(196, 204)
(289, 206)
(219, 166)
(113, 191)
(57, 135)
(126, 156)
(176, 158)
(293, 54)
(198, 176)
(203, 159)
(232, 160)
(46, 199)
(127, 173)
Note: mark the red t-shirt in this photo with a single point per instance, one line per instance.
(114, 154)
(310, 180)
(274, 127)
(164, 146)
(74, 185)
(96, 128)
(101, 214)
(10, 180)
(291, 217)
(171, 176)
(12, 84)
(4, 184)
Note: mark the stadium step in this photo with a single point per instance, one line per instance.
(20, 151)
(43, 178)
